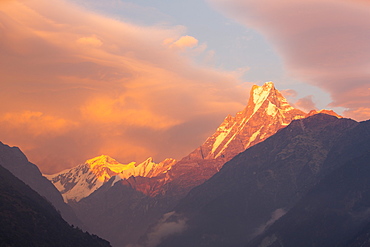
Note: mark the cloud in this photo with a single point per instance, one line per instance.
(36, 123)
(170, 224)
(277, 214)
(322, 42)
(76, 84)
(289, 93)
(359, 113)
(90, 41)
(183, 42)
(306, 103)
(118, 111)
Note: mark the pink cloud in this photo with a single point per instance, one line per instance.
(289, 93)
(76, 85)
(359, 113)
(306, 103)
(323, 42)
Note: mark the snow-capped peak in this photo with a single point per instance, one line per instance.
(260, 93)
(82, 180)
(104, 167)
(266, 112)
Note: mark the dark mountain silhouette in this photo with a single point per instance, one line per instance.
(267, 181)
(17, 163)
(336, 212)
(27, 219)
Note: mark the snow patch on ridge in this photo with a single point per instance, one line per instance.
(260, 94)
(254, 136)
(221, 137)
(271, 109)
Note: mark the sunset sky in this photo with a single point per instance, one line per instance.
(133, 79)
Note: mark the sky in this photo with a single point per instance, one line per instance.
(138, 79)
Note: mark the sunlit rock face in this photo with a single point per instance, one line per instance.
(82, 180)
(266, 112)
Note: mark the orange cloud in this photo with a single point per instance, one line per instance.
(90, 41)
(36, 123)
(99, 84)
(117, 111)
(184, 42)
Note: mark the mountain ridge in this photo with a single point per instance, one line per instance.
(80, 181)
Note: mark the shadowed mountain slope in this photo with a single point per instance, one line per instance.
(27, 219)
(17, 163)
(336, 212)
(260, 185)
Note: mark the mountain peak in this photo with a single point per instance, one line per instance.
(267, 93)
(266, 112)
(262, 90)
(260, 93)
(104, 161)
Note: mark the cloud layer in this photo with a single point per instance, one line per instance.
(322, 42)
(76, 84)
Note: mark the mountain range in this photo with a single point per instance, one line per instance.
(80, 181)
(109, 211)
(271, 175)
(266, 112)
